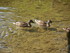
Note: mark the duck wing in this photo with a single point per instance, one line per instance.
(24, 24)
(40, 22)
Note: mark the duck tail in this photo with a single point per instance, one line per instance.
(14, 23)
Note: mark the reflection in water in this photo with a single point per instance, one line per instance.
(3, 8)
(4, 48)
(5, 28)
(6, 12)
(6, 8)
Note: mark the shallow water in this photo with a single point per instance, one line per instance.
(15, 39)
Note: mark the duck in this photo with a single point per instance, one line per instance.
(44, 24)
(67, 29)
(24, 24)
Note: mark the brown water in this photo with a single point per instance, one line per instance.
(15, 39)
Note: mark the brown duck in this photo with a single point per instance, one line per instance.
(24, 24)
(43, 23)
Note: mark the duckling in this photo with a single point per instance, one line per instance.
(67, 29)
(24, 24)
(43, 23)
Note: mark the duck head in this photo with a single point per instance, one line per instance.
(49, 21)
(31, 21)
(66, 29)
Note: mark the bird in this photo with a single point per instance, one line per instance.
(24, 24)
(44, 24)
(66, 29)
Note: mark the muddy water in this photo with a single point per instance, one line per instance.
(15, 39)
(5, 20)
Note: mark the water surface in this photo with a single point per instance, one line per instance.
(15, 39)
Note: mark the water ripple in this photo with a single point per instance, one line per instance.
(6, 8)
